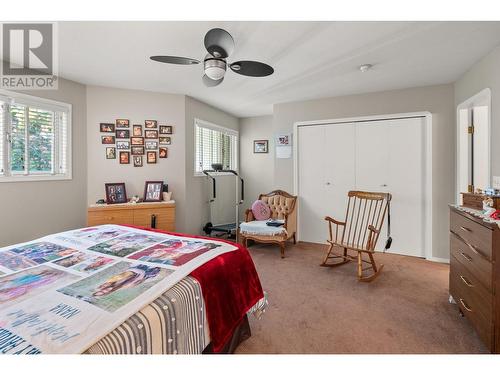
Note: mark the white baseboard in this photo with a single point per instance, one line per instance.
(439, 260)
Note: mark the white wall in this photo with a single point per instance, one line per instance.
(34, 209)
(257, 169)
(106, 104)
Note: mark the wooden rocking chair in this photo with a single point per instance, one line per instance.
(359, 232)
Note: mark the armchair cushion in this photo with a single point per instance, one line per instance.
(260, 228)
(260, 210)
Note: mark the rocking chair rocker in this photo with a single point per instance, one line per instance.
(359, 232)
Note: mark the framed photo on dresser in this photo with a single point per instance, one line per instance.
(115, 193)
(152, 191)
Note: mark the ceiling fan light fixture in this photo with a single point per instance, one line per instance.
(236, 67)
(215, 68)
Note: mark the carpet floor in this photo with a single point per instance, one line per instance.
(315, 309)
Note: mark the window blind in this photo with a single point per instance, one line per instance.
(214, 145)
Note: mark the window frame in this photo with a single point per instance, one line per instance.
(229, 131)
(11, 97)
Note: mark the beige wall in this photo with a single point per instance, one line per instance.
(439, 100)
(197, 190)
(107, 104)
(484, 74)
(34, 209)
(257, 169)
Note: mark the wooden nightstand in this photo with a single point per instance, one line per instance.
(157, 215)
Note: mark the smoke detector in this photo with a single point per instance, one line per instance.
(365, 67)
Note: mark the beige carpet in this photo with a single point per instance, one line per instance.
(314, 309)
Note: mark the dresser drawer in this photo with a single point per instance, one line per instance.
(475, 263)
(476, 235)
(110, 217)
(165, 218)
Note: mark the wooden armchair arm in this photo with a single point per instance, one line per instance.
(249, 215)
(372, 237)
(332, 220)
(372, 228)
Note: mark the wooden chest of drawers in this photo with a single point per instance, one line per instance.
(159, 215)
(475, 273)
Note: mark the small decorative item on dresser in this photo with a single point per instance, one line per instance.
(151, 157)
(151, 124)
(163, 153)
(137, 160)
(151, 134)
(115, 193)
(261, 146)
(124, 157)
(166, 129)
(106, 128)
(110, 153)
(153, 191)
(108, 140)
(474, 201)
(137, 130)
(122, 123)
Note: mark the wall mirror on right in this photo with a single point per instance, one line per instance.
(473, 144)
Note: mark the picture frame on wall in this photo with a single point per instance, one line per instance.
(137, 160)
(124, 157)
(150, 124)
(151, 157)
(123, 134)
(106, 127)
(115, 193)
(151, 134)
(153, 191)
(137, 130)
(108, 139)
(151, 145)
(122, 123)
(165, 140)
(122, 145)
(166, 129)
(261, 146)
(163, 153)
(137, 150)
(137, 141)
(110, 153)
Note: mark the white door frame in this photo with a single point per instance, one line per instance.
(427, 233)
(483, 97)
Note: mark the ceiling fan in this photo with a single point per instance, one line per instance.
(219, 44)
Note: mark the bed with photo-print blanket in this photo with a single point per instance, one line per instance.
(126, 290)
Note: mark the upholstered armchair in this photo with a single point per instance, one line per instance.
(283, 207)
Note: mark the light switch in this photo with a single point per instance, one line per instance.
(496, 182)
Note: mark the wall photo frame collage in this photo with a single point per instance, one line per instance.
(133, 144)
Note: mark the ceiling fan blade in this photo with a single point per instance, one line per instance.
(175, 60)
(209, 82)
(251, 68)
(219, 43)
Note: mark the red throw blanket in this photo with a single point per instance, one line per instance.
(230, 286)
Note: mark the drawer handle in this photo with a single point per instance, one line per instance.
(462, 302)
(466, 282)
(465, 229)
(468, 258)
(474, 249)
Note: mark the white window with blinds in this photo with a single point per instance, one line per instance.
(35, 141)
(214, 144)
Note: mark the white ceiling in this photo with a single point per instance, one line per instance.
(311, 59)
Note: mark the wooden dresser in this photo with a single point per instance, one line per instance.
(158, 215)
(475, 273)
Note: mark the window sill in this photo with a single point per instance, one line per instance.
(34, 178)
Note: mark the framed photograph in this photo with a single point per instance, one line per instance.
(122, 123)
(137, 150)
(165, 140)
(137, 130)
(151, 157)
(261, 146)
(150, 124)
(107, 128)
(151, 145)
(283, 140)
(115, 193)
(123, 133)
(137, 160)
(122, 145)
(152, 191)
(124, 157)
(137, 141)
(108, 139)
(151, 133)
(166, 129)
(110, 153)
(163, 153)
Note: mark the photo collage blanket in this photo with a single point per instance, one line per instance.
(63, 292)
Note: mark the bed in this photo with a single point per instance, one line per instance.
(116, 289)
